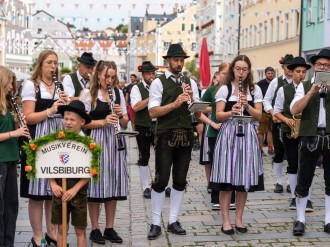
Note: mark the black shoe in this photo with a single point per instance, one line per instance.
(112, 235)
(309, 207)
(154, 232)
(49, 240)
(288, 188)
(278, 188)
(176, 228)
(228, 232)
(168, 192)
(34, 244)
(293, 205)
(298, 228)
(241, 229)
(147, 193)
(327, 228)
(96, 236)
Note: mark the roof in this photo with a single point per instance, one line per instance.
(121, 43)
(84, 44)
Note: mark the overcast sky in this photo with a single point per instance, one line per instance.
(100, 14)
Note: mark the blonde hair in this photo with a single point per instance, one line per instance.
(37, 73)
(6, 77)
(222, 66)
(94, 85)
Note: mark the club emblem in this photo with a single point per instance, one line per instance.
(64, 158)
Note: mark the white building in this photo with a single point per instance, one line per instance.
(2, 36)
(217, 21)
(18, 36)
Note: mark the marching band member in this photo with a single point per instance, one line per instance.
(143, 123)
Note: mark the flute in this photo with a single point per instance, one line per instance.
(21, 122)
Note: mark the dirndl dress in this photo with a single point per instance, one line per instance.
(204, 150)
(238, 162)
(113, 175)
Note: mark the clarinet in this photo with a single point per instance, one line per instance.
(194, 122)
(57, 84)
(240, 127)
(21, 122)
(121, 145)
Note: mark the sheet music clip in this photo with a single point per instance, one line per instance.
(198, 106)
(242, 119)
(322, 78)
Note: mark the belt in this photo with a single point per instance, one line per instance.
(321, 132)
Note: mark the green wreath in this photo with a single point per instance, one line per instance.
(33, 146)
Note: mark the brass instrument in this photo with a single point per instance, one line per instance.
(21, 122)
(121, 145)
(295, 126)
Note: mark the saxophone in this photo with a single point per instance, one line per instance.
(295, 126)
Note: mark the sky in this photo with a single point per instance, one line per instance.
(100, 14)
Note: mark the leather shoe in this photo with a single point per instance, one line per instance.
(241, 229)
(298, 228)
(176, 228)
(228, 232)
(147, 193)
(154, 232)
(327, 228)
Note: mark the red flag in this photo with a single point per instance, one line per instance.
(204, 65)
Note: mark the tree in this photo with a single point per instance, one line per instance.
(191, 67)
(65, 70)
(121, 28)
(34, 63)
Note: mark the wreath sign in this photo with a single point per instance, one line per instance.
(32, 147)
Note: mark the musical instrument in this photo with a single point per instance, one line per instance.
(240, 118)
(57, 84)
(295, 126)
(118, 132)
(21, 122)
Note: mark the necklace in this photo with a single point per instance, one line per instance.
(48, 85)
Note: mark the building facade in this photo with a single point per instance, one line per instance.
(2, 35)
(268, 31)
(315, 23)
(18, 36)
(217, 21)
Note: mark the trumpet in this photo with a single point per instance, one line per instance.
(121, 145)
(21, 122)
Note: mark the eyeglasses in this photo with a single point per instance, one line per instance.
(244, 70)
(325, 65)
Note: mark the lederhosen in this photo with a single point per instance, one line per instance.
(146, 129)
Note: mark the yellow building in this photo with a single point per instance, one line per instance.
(268, 31)
(159, 31)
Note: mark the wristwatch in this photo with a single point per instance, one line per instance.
(247, 107)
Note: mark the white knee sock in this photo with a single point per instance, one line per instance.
(310, 192)
(144, 176)
(301, 207)
(327, 210)
(293, 183)
(175, 205)
(278, 167)
(157, 201)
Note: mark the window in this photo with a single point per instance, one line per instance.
(260, 74)
(286, 26)
(183, 27)
(296, 25)
(271, 25)
(191, 27)
(277, 29)
(309, 14)
(39, 30)
(259, 34)
(321, 10)
(265, 32)
(193, 46)
(328, 9)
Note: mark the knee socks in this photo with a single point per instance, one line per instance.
(144, 176)
(157, 201)
(175, 205)
(278, 167)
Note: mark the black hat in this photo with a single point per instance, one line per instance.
(78, 107)
(324, 53)
(87, 59)
(175, 50)
(287, 59)
(298, 62)
(146, 67)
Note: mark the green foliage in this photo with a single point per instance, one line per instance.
(121, 28)
(74, 62)
(65, 70)
(31, 148)
(191, 67)
(33, 65)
